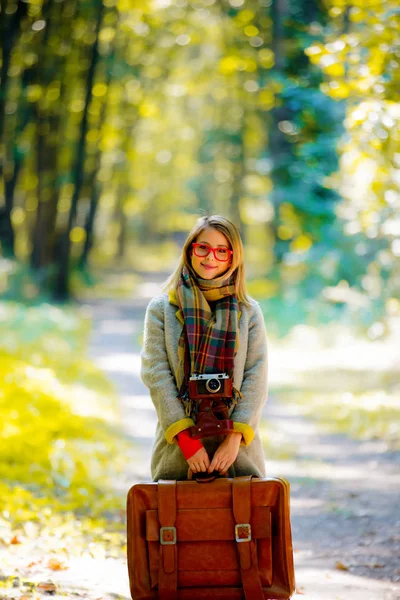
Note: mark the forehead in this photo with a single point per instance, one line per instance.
(213, 236)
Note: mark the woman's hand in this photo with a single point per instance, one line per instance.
(199, 461)
(226, 453)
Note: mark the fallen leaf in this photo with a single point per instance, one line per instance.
(339, 565)
(46, 587)
(34, 562)
(15, 540)
(55, 565)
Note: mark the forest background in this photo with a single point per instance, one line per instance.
(122, 122)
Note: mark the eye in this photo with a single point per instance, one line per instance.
(203, 247)
(222, 251)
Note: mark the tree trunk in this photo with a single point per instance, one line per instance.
(122, 220)
(94, 197)
(49, 120)
(62, 289)
(89, 224)
(10, 28)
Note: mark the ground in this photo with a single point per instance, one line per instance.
(344, 493)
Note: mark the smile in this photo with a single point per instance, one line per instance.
(207, 267)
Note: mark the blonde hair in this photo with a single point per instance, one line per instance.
(232, 234)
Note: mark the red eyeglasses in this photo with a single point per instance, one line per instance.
(203, 250)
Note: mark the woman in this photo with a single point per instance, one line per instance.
(206, 323)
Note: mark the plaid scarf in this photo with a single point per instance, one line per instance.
(209, 341)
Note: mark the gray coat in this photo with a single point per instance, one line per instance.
(159, 362)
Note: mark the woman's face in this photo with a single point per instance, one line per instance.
(208, 267)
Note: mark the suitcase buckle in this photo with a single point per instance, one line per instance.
(243, 532)
(167, 536)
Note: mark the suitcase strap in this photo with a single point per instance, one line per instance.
(168, 573)
(246, 546)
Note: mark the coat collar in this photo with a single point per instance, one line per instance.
(173, 299)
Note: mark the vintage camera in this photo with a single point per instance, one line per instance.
(210, 394)
(210, 386)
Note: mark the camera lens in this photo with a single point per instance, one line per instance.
(213, 385)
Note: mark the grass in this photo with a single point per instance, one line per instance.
(345, 381)
(374, 414)
(60, 448)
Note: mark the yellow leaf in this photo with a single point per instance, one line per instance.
(267, 99)
(284, 232)
(99, 90)
(229, 65)
(301, 244)
(33, 92)
(357, 16)
(266, 58)
(148, 110)
(335, 89)
(251, 31)
(245, 16)
(335, 69)
(77, 235)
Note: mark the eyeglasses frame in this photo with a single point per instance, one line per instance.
(196, 244)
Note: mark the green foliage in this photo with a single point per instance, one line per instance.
(360, 61)
(175, 124)
(124, 121)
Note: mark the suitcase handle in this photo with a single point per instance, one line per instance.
(204, 476)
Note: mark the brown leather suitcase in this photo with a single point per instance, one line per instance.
(229, 539)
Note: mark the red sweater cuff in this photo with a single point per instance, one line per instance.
(188, 445)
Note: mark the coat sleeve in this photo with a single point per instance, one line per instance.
(254, 389)
(156, 374)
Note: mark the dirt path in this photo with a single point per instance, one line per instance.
(345, 511)
(345, 494)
